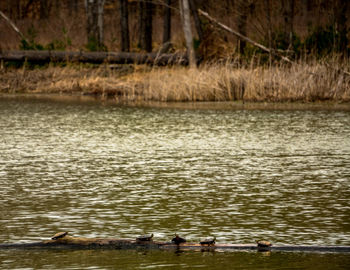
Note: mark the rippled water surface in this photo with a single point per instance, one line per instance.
(114, 171)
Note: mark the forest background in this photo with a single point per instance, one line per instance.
(314, 34)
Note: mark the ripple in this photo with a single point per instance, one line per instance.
(120, 172)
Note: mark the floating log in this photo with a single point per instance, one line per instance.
(94, 57)
(69, 242)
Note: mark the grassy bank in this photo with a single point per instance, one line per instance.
(225, 82)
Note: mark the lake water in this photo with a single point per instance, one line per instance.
(102, 170)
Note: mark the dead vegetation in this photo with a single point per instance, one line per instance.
(212, 82)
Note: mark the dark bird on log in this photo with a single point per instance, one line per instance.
(178, 240)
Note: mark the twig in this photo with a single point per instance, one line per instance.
(13, 25)
(337, 69)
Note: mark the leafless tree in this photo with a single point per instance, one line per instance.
(94, 13)
(124, 23)
(288, 15)
(145, 25)
(44, 9)
(269, 26)
(72, 7)
(186, 24)
(194, 11)
(243, 9)
(167, 22)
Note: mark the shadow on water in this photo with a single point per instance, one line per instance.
(226, 105)
(126, 259)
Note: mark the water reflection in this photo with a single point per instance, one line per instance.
(116, 171)
(129, 259)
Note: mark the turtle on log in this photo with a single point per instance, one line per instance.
(208, 242)
(59, 235)
(144, 238)
(178, 240)
(263, 244)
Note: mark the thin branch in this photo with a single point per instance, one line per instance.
(239, 35)
(337, 69)
(12, 25)
(159, 3)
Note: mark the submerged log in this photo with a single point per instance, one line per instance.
(69, 242)
(94, 57)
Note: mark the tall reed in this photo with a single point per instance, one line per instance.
(313, 81)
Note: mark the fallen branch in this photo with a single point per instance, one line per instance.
(240, 36)
(12, 25)
(256, 44)
(94, 57)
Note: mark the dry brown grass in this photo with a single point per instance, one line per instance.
(216, 82)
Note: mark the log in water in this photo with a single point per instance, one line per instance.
(69, 242)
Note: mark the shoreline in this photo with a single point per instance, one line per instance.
(203, 105)
(224, 84)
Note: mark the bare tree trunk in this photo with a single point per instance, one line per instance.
(230, 6)
(186, 24)
(124, 22)
(18, 10)
(148, 26)
(100, 28)
(72, 6)
(91, 15)
(94, 14)
(291, 24)
(167, 22)
(288, 14)
(269, 27)
(141, 23)
(9, 9)
(145, 25)
(197, 21)
(44, 9)
(243, 8)
(56, 6)
(25, 10)
(306, 10)
(340, 18)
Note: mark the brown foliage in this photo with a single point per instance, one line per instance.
(216, 82)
